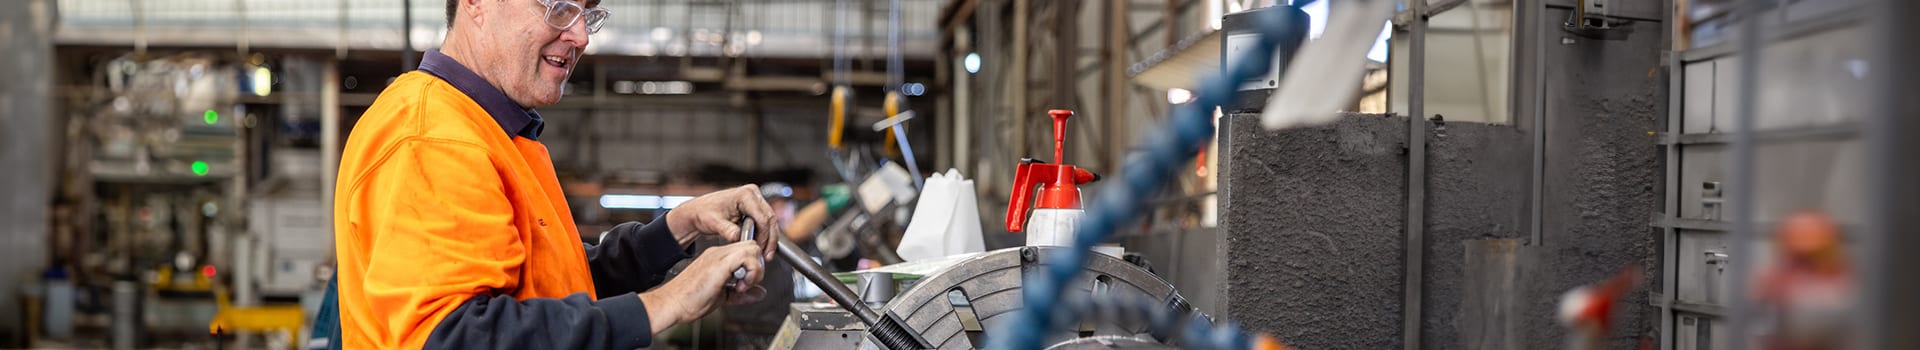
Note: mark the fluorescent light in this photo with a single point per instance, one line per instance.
(972, 62)
(630, 201)
(670, 202)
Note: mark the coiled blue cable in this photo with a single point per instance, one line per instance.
(1163, 153)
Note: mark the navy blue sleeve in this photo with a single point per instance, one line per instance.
(574, 322)
(634, 257)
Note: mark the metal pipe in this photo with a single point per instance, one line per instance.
(330, 142)
(1416, 176)
(962, 117)
(1066, 55)
(896, 73)
(832, 287)
(1017, 77)
(1741, 191)
(1539, 106)
(1113, 82)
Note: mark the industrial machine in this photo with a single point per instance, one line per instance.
(963, 298)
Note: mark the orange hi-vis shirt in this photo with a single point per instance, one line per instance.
(452, 231)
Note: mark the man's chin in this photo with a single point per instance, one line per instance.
(544, 101)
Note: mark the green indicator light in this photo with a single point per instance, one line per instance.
(199, 168)
(211, 117)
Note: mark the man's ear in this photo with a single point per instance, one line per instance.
(474, 10)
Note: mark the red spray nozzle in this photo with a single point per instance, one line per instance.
(1057, 183)
(1059, 133)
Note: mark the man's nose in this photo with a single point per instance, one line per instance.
(576, 35)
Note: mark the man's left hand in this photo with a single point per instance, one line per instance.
(718, 213)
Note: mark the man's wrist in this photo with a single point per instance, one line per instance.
(677, 226)
(661, 312)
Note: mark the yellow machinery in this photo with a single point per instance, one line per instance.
(257, 319)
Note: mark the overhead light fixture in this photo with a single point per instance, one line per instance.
(670, 202)
(642, 201)
(972, 62)
(630, 201)
(913, 89)
(1179, 96)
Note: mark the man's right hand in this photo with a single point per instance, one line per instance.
(701, 288)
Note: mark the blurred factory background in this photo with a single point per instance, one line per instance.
(172, 161)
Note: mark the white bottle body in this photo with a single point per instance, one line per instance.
(1055, 227)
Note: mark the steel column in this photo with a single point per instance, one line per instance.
(1741, 196)
(1416, 174)
(1888, 285)
(1670, 236)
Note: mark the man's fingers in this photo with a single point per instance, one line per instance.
(769, 245)
(724, 225)
(740, 256)
(756, 268)
(751, 204)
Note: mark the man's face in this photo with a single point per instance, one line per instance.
(530, 60)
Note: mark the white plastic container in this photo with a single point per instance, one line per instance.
(57, 313)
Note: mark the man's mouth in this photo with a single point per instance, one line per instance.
(557, 61)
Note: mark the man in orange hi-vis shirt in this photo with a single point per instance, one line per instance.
(451, 228)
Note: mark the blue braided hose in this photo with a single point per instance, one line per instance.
(1163, 153)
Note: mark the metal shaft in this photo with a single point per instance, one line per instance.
(889, 330)
(746, 234)
(833, 288)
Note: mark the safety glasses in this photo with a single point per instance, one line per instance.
(562, 14)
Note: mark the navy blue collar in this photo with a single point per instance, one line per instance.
(514, 119)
